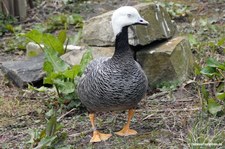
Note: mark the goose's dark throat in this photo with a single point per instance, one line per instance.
(122, 47)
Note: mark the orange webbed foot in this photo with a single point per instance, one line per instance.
(98, 137)
(126, 131)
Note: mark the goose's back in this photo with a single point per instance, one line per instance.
(109, 86)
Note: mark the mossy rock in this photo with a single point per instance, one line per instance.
(166, 62)
(98, 30)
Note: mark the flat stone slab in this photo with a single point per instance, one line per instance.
(74, 57)
(24, 72)
(169, 61)
(98, 30)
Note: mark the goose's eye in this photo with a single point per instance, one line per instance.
(129, 15)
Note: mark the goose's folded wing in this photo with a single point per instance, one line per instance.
(95, 64)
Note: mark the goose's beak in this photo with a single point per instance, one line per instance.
(142, 22)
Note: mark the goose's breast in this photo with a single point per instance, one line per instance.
(114, 88)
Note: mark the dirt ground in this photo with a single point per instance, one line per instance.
(163, 120)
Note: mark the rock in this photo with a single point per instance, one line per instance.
(169, 61)
(74, 57)
(30, 71)
(98, 30)
(33, 49)
(24, 72)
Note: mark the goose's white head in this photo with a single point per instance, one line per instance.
(126, 16)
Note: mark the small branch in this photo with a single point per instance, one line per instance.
(212, 82)
(220, 71)
(154, 96)
(148, 117)
(185, 100)
(81, 133)
(174, 110)
(65, 114)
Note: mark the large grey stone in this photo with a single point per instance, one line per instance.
(98, 30)
(169, 61)
(74, 57)
(24, 72)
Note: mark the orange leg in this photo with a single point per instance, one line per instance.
(97, 136)
(126, 131)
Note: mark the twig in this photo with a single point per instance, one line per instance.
(174, 110)
(78, 134)
(210, 82)
(185, 100)
(65, 114)
(148, 117)
(154, 96)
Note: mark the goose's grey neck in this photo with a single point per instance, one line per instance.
(122, 48)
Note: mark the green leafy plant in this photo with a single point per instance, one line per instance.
(51, 136)
(176, 10)
(6, 23)
(59, 22)
(206, 132)
(213, 87)
(59, 73)
(7, 26)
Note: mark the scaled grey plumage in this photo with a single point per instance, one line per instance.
(116, 83)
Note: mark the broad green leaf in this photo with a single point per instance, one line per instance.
(74, 103)
(40, 89)
(220, 87)
(62, 36)
(70, 96)
(71, 73)
(42, 134)
(222, 66)
(197, 69)
(211, 62)
(46, 142)
(204, 92)
(86, 58)
(47, 67)
(75, 19)
(65, 87)
(35, 36)
(49, 113)
(53, 43)
(221, 42)
(192, 39)
(51, 126)
(34, 135)
(77, 37)
(209, 71)
(10, 28)
(51, 77)
(59, 141)
(221, 96)
(58, 127)
(58, 64)
(214, 107)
